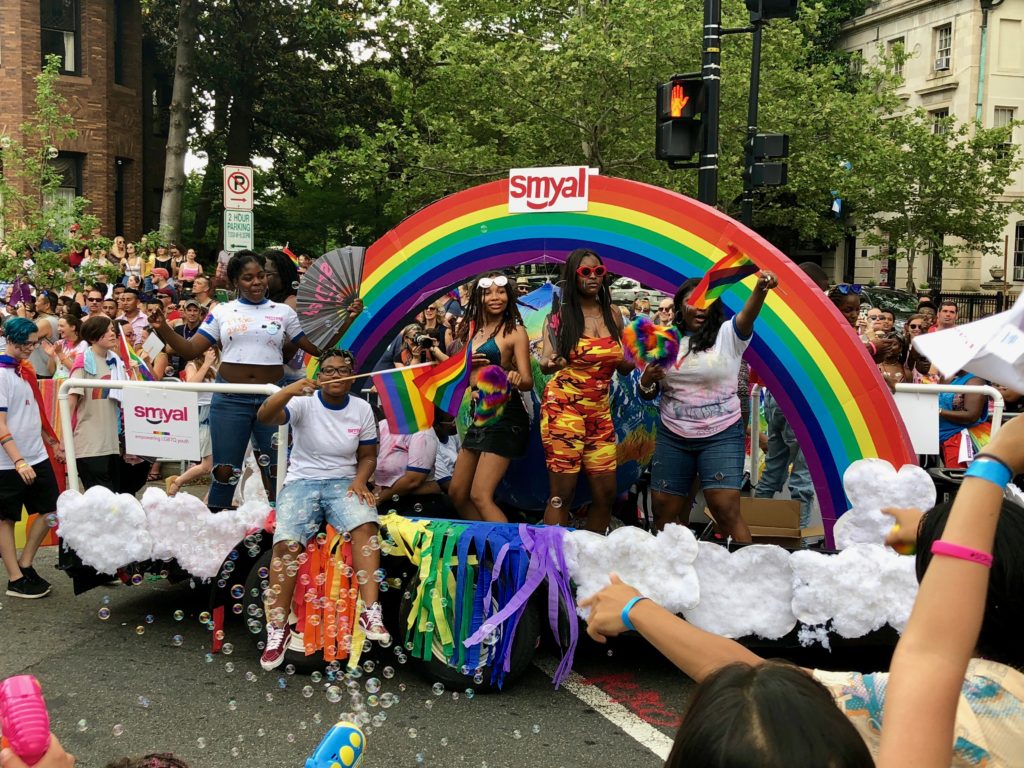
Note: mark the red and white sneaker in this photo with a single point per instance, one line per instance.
(371, 621)
(277, 644)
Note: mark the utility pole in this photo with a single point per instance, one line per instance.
(711, 72)
(747, 202)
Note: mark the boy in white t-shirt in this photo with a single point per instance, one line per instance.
(334, 454)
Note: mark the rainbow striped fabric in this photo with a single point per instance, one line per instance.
(287, 252)
(446, 383)
(730, 269)
(137, 368)
(407, 411)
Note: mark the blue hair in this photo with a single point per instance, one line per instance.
(18, 329)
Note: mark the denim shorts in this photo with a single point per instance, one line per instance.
(304, 505)
(718, 460)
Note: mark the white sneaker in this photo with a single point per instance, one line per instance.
(371, 621)
(277, 644)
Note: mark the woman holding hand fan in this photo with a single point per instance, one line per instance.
(701, 430)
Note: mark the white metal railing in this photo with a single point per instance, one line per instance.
(967, 389)
(67, 434)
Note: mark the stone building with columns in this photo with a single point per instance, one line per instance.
(966, 61)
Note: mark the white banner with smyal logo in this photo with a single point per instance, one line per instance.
(161, 423)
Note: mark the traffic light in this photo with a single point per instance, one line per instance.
(762, 10)
(769, 146)
(680, 133)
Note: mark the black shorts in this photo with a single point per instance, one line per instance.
(39, 498)
(508, 437)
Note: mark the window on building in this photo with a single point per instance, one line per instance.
(120, 168)
(940, 124)
(857, 61)
(943, 47)
(896, 47)
(119, 43)
(69, 165)
(1018, 252)
(60, 33)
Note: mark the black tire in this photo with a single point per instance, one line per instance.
(437, 669)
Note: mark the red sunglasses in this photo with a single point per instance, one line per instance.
(585, 271)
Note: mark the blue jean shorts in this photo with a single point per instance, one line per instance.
(304, 505)
(718, 460)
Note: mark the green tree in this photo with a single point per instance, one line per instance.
(934, 187)
(31, 212)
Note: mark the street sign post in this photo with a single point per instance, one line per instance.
(237, 188)
(238, 231)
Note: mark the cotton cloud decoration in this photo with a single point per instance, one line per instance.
(109, 531)
(767, 590)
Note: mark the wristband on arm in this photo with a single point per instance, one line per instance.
(948, 549)
(985, 467)
(627, 608)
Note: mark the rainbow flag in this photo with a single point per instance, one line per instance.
(137, 368)
(405, 409)
(446, 383)
(287, 252)
(731, 269)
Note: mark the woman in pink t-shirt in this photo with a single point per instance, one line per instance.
(701, 430)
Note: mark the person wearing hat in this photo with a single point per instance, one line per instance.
(522, 286)
(192, 314)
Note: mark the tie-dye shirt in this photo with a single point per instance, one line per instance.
(989, 729)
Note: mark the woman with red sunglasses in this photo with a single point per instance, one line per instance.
(582, 349)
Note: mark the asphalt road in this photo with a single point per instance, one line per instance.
(124, 686)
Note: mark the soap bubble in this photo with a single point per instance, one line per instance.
(275, 440)
(295, 285)
(204, 617)
(420, 758)
(219, 634)
(417, 508)
(470, 693)
(179, 615)
(235, 752)
(307, 691)
(290, 738)
(268, 696)
(117, 730)
(104, 614)
(83, 725)
(229, 667)
(264, 459)
(289, 669)
(232, 705)
(333, 694)
(438, 689)
(372, 685)
(282, 683)
(263, 572)
(150, 618)
(51, 520)
(250, 676)
(209, 658)
(237, 609)
(177, 640)
(388, 672)
(517, 734)
(556, 502)
(238, 592)
(368, 666)
(105, 599)
(428, 704)
(227, 649)
(535, 728)
(201, 742)
(316, 677)
(140, 630)
(261, 732)
(412, 733)
(136, 579)
(478, 678)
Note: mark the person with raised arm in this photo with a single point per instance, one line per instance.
(251, 331)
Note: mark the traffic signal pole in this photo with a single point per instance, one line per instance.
(711, 71)
(747, 202)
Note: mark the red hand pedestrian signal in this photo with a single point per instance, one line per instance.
(679, 100)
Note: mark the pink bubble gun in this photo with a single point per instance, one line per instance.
(24, 721)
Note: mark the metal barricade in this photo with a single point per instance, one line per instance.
(998, 403)
(67, 434)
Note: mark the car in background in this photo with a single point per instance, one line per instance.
(626, 290)
(901, 303)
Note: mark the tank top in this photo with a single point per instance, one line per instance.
(491, 351)
(164, 264)
(187, 272)
(39, 359)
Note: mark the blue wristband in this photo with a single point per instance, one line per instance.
(989, 469)
(627, 608)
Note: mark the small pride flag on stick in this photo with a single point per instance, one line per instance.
(137, 368)
(731, 269)
(405, 409)
(445, 384)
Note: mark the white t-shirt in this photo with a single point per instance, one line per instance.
(401, 453)
(249, 333)
(698, 393)
(19, 406)
(447, 453)
(326, 438)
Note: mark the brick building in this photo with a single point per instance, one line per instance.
(117, 103)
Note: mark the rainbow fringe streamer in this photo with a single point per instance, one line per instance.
(650, 344)
(492, 384)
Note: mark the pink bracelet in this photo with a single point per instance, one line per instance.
(947, 549)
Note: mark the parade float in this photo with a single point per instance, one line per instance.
(474, 596)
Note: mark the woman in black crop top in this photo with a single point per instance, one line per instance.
(499, 339)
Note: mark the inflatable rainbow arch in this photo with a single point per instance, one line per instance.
(803, 349)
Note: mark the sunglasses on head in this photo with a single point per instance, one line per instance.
(847, 288)
(585, 271)
(486, 282)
